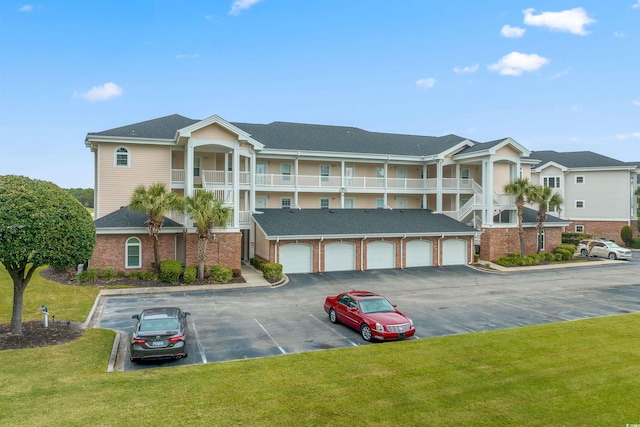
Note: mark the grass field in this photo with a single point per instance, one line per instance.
(575, 373)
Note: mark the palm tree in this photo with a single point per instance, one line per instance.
(545, 198)
(207, 212)
(155, 201)
(521, 189)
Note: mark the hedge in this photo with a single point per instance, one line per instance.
(272, 271)
(170, 271)
(190, 274)
(220, 274)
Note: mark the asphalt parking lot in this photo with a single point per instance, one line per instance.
(261, 322)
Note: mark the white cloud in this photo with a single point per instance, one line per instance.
(466, 70)
(512, 32)
(623, 136)
(636, 103)
(426, 83)
(26, 8)
(101, 93)
(637, 5)
(571, 20)
(560, 74)
(516, 63)
(239, 5)
(188, 56)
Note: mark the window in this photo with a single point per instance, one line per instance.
(580, 179)
(380, 175)
(380, 203)
(285, 171)
(197, 165)
(325, 171)
(579, 228)
(579, 204)
(464, 173)
(285, 203)
(324, 203)
(134, 252)
(541, 239)
(122, 157)
(551, 181)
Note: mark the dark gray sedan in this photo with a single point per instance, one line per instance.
(160, 333)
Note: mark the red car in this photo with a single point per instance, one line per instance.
(371, 314)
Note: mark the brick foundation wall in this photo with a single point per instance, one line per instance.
(607, 229)
(497, 242)
(225, 249)
(110, 250)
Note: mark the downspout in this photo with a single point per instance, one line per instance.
(276, 252)
(362, 252)
(402, 252)
(320, 251)
(439, 250)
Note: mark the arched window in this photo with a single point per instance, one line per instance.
(133, 253)
(122, 157)
(541, 239)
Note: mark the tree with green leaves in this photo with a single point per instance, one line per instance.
(155, 202)
(521, 189)
(207, 212)
(40, 224)
(546, 199)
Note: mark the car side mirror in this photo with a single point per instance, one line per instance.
(186, 313)
(136, 316)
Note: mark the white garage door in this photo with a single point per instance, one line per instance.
(339, 256)
(296, 258)
(381, 255)
(419, 253)
(454, 252)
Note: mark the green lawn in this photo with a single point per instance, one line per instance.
(574, 373)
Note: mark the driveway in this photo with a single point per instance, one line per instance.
(259, 322)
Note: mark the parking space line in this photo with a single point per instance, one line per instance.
(199, 344)
(269, 335)
(533, 310)
(347, 339)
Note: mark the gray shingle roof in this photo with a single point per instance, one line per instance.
(297, 136)
(127, 218)
(528, 216)
(481, 146)
(358, 222)
(575, 159)
(160, 128)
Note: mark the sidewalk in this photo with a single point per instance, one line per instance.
(501, 269)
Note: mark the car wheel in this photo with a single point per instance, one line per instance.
(333, 317)
(365, 331)
(613, 256)
(583, 252)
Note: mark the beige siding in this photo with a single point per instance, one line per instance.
(501, 176)
(214, 132)
(262, 245)
(508, 151)
(147, 165)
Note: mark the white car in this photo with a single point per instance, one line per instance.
(610, 250)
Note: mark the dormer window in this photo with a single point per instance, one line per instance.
(552, 181)
(122, 157)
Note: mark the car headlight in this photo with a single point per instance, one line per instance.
(410, 324)
(379, 327)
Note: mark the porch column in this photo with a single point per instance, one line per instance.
(188, 169)
(295, 183)
(252, 181)
(487, 191)
(439, 186)
(236, 185)
(459, 182)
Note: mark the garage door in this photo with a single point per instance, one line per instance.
(381, 255)
(339, 256)
(296, 258)
(419, 253)
(454, 252)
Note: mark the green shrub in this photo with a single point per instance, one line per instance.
(107, 273)
(272, 271)
(626, 234)
(256, 263)
(86, 276)
(220, 274)
(476, 257)
(143, 275)
(237, 273)
(559, 257)
(574, 238)
(190, 274)
(170, 271)
(635, 243)
(121, 274)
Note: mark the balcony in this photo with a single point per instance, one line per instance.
(265, 182)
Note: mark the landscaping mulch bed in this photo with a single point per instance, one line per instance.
(34, 334)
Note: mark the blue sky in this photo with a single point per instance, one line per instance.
(553, 75)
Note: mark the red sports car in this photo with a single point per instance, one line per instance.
(371, 314)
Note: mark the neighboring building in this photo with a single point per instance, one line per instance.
(312, 197)
(598, 191)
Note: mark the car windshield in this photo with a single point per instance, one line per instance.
(612, 245)
(375, 305)
(164, 324)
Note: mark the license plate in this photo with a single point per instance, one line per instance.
(401, 335)
(157, 344)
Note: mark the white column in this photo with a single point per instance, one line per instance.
(236, 185)
(188, 169)
(439, 186)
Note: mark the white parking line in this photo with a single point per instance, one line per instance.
(334, 331)
(200, 349)
(269, 335)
